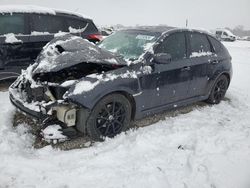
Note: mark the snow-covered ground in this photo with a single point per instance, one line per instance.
(208, 147)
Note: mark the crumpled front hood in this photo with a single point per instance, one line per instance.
(69, 50)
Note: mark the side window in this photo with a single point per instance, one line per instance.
(216, 44)
(199, 43)
(224, 33)
(75, 24)
(174, 45)
(12, 23)
(47, 23)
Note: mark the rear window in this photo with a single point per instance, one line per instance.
(216, 44)
(12, 23)
(199, 43)
(47, 23)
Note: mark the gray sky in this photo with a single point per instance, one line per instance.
(207, 14)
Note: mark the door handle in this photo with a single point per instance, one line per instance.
(185, 69)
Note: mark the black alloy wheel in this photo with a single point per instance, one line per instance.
(109, 117)
(219, 90)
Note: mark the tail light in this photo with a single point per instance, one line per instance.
(95, 37)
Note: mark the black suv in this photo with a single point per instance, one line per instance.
(24, 30)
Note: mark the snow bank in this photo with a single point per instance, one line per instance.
(205, 148)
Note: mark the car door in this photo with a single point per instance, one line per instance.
(169, 81)
(14, 39)
(200, 56)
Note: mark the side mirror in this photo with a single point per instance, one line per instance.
(162, 58)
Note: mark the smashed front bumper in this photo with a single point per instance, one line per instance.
(30, 112)
(46, 113)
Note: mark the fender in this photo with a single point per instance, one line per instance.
(215, 77)
(88, 98)
(223, 67)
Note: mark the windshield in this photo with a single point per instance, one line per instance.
(130, 45)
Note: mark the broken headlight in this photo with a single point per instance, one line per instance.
(66, 114)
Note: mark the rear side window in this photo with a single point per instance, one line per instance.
(199, 43)
(216, 44)
(174, 45)
(12, 23)
(75, 24)
(47, 23)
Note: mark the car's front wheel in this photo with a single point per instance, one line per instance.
(219, 90)
(110, 116)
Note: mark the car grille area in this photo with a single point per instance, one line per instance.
(29, 93)
(36, 94)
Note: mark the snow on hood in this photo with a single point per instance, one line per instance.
(68, 50)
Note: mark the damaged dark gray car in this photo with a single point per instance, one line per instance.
(97, 90)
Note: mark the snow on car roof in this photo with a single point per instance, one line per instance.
(158, 29)
(36, 9)
(163, 29)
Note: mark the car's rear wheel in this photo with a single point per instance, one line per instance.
(110, 116)
(218, 90)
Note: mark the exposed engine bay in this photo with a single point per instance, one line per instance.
(40, 90)
(75, 72)
(43, 93)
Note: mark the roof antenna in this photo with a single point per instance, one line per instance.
(186, 22)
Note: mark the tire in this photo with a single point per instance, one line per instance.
(218, 90)
(110, 116)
